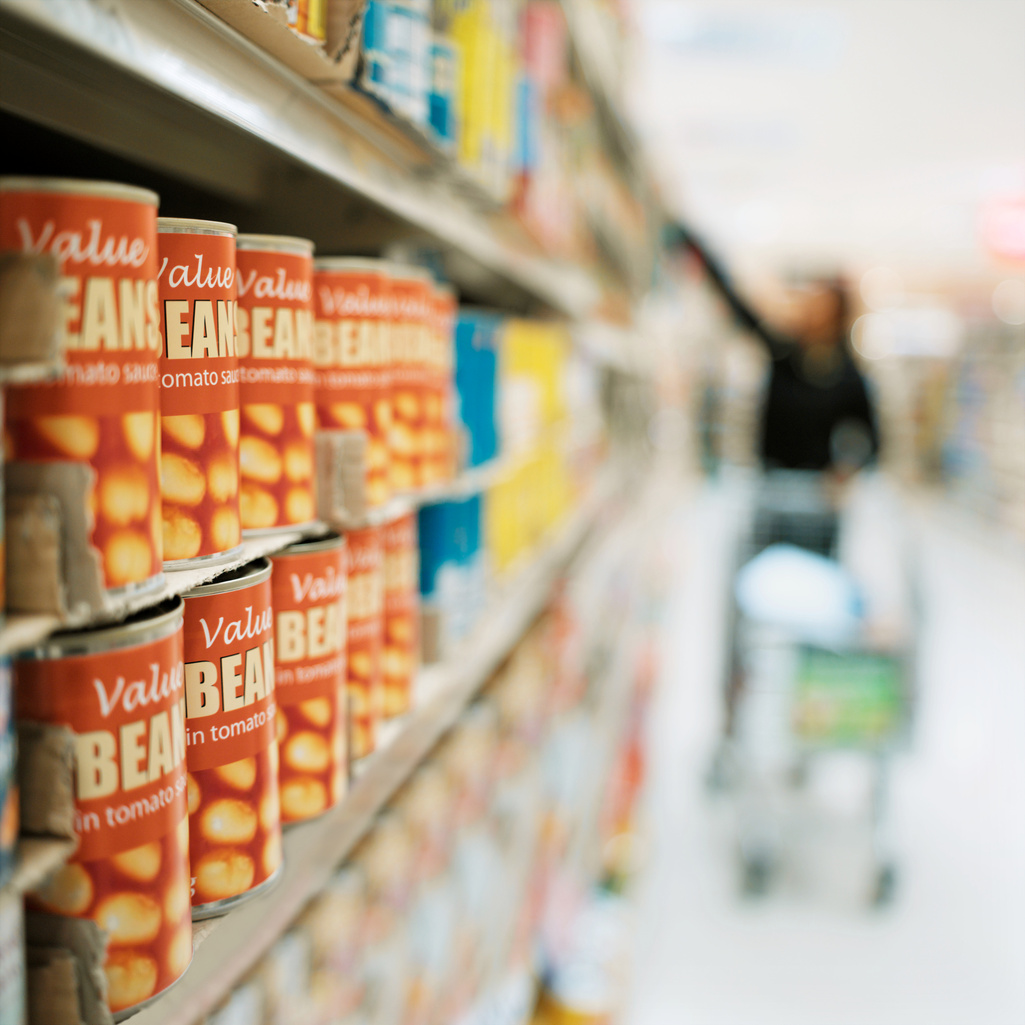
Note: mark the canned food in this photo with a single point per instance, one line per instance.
(104, 409)
(235, 829)
(8, 780)
(308, 18)
(308, 592)
(119, 690)
(436, 461)
(411, 290)
(366, 611)
(275, 349)
(198, 392)
(352, 354)
(401, 614)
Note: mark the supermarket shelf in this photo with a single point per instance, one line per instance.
(233, 944)
(38, 859)
(167, 85)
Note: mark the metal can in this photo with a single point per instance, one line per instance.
(308, 591)
(231, 713)
(308, 18)
(104, 409)
(198, 392)
(401, 614)
(436, 461)
(352, 354)
(119, 690)
(275, 349)
(411, 289)
(366, 613)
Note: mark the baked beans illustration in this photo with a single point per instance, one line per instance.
(199, 478)
(275, 349)
(231, 720)
(365, 597)
(104, 408)
(352, 355)
(401, 614)
(412, 291)
(308, 584)
(120, 691)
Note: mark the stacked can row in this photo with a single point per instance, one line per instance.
(200, 363)
(205, 724)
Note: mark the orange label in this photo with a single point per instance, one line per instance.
(275, 326)
(366, 612)
(235, 832)
(103, 409)
(199, 366)
(352, 355)
(401, 627)
(309, 615)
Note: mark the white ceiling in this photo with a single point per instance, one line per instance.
(844, 133)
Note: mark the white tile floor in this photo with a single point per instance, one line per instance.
(951, 949)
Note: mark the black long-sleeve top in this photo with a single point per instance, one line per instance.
(805, 410)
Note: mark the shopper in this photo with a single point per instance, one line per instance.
(817, 413)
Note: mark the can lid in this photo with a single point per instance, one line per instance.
(276, 244)
(310, 545)
(234, 579)
(100, 189)
(194, 226)
(149, 624)
(353, 263)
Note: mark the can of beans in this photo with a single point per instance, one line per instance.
(275, 349)
(437, 455)
(366, 613)
(198, 392)
(104, 409)
(412, 289)
(352, 354)
(119, 690)
(401, 613)
(308, 592)
(235, 829)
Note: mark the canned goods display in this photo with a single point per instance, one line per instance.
(366, 609)
(235, 829)
(401, 614)
(275, 348)
(308, 583)
(352, 355)
(104, 409)
(199, 396)
(412, 290)
(119, 689)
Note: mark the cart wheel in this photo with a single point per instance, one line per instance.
(756, 875)
(885, 886)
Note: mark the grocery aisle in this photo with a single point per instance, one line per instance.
(951, 950)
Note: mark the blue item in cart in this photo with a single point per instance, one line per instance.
(476, 376)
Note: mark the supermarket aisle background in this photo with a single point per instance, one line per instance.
(951, 950)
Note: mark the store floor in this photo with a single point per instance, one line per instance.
(950, 950)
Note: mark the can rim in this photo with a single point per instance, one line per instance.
(194, 226)
(82, 186)
(276, 244)
(150, 624)
(310, 545)
(343, 263)
(236, 579)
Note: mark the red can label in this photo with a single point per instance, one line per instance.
(309, 622)
(199, 395)
(275, 348)
(401, 614)
(104, 408)
(411, 331)
(130, 873)
(352, 355)
(436, 457)
(366, 614)
(235, 830)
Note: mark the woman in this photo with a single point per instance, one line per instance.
(817, 414)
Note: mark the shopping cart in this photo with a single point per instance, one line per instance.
(794, 693)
